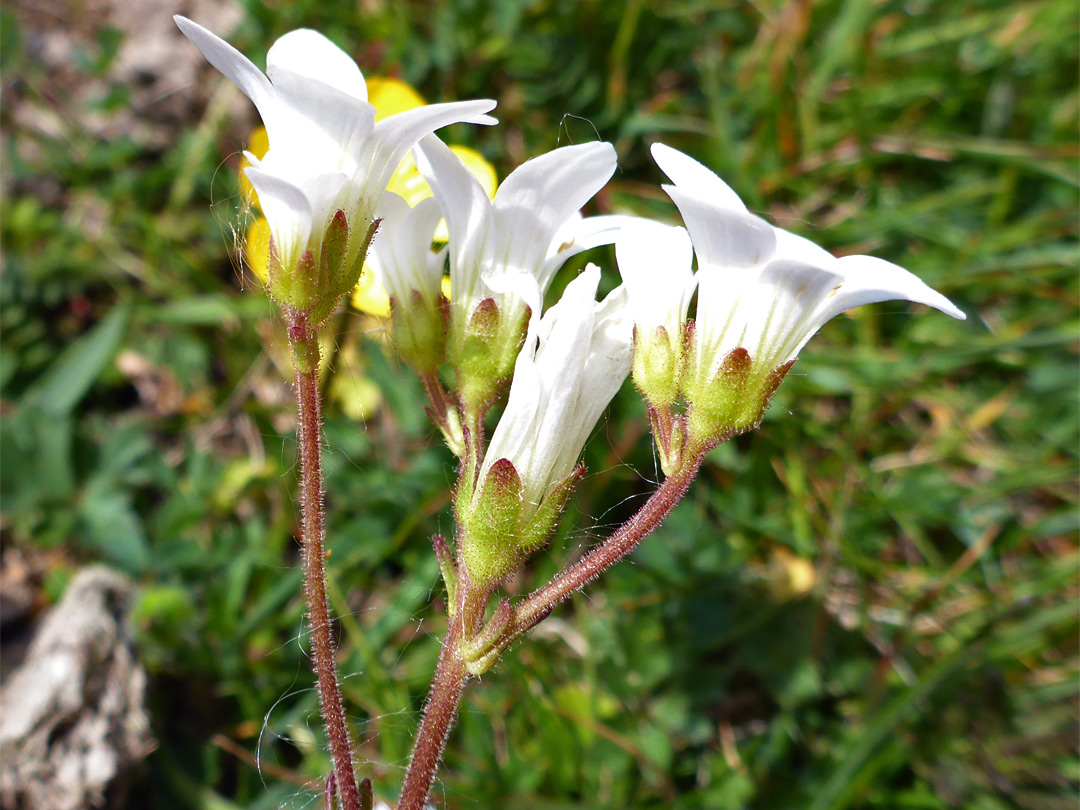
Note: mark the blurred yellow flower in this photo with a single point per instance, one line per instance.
(389, 96)
(790, 576)
(258, 145)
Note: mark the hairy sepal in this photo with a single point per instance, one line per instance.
(501, 528)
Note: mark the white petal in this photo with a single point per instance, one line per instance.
(566, 373)
(779, 310)
(415, 266)
(467, 209)
(868, 280)
(655, 263)
(393, 137)
(540, 195)
(797, 248)
(724, 237)
(288, 211)
(606, 369)
(311, 55)
(236, 67)
(321, 128)
(294, 211)
(694, 178)
(578, 234)
(720, 319)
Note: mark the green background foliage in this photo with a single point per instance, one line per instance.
(921, 472)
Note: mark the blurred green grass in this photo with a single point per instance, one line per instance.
(926, 468)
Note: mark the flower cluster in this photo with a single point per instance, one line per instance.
(346, 183)
(322, 182)
(762, 293)
(327, 164)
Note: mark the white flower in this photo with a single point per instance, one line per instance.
(572, 364)
(401, 256)
(508, 249)
(763, 289)
(655, 263)
(326, 152)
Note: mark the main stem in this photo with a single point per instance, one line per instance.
(443, 701)
(305, 346)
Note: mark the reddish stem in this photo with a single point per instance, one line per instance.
(542, 601)
(443, 701)
(309, 439)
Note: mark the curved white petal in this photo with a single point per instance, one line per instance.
(797, 248)
(607, 366)
(540, 195)
(578, 234)
(779, 309)
(401, 255)
(310, 55)
(321, 128)
(288, 211)
(719, 320)
(467, 209)
(655, 262)
(236, 67)
(723, 236)
(565, 375)
(868, 280)
(393, 137)
(694, 178)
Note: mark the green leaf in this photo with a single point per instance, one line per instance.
(70, 376)
(109, 524)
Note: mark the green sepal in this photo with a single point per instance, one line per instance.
(335, 251)
(485, 354)
(315, 284)
(658, 366)
(543, 522)
(449, 573)
(501, 527)
(733, 401)
(419, 331)
(490, 548)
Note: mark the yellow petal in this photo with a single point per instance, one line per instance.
(391, 96)
(257, 248)
(370, 297)
(258, 145)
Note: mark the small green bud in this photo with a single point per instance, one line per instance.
(658, 365)
(486, 354)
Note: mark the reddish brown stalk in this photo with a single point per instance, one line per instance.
(441, 404)
(542, 601)
(312, 533)
(451, 675)
(443, 701)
